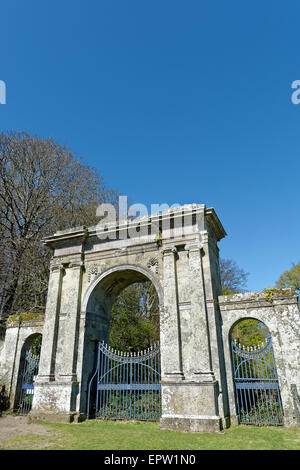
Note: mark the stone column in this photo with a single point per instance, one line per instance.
(43, 386)
(199, 347)
(213, 288)
(56, 387)
(48, 349)
(286, 350)
(69, 324)
(67, 343)
(189, 401)
(170, 328)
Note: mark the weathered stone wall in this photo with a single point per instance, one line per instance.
(17, 334)
(280, 313)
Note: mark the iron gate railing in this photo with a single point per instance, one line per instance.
(31, 366)
(256, 384)
(125, 385)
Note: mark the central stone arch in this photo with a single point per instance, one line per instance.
(112, 281)
(86, 274)
(96, 307)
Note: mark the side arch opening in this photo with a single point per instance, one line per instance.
(28, 370)
(255, 377)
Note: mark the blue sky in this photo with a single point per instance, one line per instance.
(173, 102)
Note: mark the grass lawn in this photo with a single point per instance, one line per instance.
(116, 435)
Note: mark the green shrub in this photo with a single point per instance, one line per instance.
(4, 400)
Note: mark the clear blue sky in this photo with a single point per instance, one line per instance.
(172, 101)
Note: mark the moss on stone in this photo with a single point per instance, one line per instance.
(25, 316)
(271, 292)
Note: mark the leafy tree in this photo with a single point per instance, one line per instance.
(4, 400)
(247, 332)
(135, 318)
(36, 345)
(43, 188)
(290, 278)
(233, 278)
(250, 332)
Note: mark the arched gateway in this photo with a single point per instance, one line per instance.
(86, 275)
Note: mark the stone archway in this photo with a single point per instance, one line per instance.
(132, 273)
(87, 271)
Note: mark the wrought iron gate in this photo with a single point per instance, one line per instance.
(256, 384)
(125, 386)
(31, 366)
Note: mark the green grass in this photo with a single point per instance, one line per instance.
(116, 435)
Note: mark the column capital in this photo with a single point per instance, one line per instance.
(57, 267)
(168, 250)
(204, 236)
(76, 264)
(196, 246)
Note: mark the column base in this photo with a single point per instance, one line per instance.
(190, 405)
(290, 422)
(55, 400)
(191, 423)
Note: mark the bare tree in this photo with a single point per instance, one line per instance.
(233, 278)
(43, 188)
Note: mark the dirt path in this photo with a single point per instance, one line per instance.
(13, 426)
